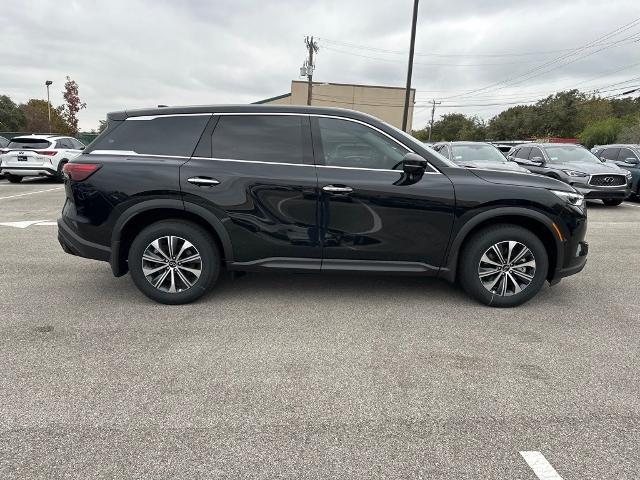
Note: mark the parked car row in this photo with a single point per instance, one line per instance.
(611, 178)
(37, 156)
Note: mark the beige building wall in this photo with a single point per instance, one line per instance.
(385, 103)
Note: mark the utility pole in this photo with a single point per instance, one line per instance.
(308, 66)
(407, 94)
(47, 83)
(433, 112)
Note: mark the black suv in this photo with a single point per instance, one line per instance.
(174, 195)
(577, 166)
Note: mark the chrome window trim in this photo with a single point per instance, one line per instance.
(153, 117)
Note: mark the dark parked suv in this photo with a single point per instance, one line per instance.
(577, 166)
(174, 195)
(626, 156)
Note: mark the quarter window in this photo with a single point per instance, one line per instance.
(350, 144)
(264, 138)
(163, 135)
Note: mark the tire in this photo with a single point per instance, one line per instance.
(60, 173)
(472, 264)
(14, 178)
(202, 244)
(612, 202)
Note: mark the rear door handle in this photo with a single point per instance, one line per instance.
(203, 181)
(337, 189)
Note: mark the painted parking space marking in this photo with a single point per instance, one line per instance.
(28, 223)
(540, 466)
(626, 204)
(31, 193)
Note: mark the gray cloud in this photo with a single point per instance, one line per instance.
(128, 54)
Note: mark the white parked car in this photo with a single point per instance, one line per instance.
(37, 156)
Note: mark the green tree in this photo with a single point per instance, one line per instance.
(630, 133)
(601, 132)
(11, 117)
(514, 123)
(102, 125)
(593, 110)
(36, 114)
(456, 126)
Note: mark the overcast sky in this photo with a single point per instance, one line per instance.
(137, 53)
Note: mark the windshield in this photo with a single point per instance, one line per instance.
(477, 153)
(29, 143)
(570, 154)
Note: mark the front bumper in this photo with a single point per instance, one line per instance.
(574, 264)
(591, 192)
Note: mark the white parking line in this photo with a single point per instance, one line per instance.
(630, 205)
(31, 193)
(27, 223)
(540, 466)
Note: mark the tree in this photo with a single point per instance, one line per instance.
(593, 110)
(602, 132)
(102, 125)
(37, 120)
(630, 133)
(11, 117)
(72, 105)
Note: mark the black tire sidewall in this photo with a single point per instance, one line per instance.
(14, 178)
(612, 203)
(479, 243)
(203, 242)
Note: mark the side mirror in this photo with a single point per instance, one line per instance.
(537, 160)
(413, 163)
(632, 161)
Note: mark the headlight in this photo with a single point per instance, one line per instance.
(572, 198)
(575, 173)
(628, 174)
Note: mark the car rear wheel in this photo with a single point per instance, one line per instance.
(503, 265)
(14, 178)
(612, 202)
(174, 262)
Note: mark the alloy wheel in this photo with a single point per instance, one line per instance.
(507, 268)
(171, 264)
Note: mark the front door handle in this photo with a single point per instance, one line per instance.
(203, 181)
(337, 189)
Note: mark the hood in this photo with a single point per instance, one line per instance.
(520, 179)
(588, 167)
(508, 166)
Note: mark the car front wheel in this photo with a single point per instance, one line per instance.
(174, 262)
(503, 265)
(14, 178)
(611, 202)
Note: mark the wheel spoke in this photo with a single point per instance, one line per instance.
(530, 263)
(522, 253)
(156, 244)
(523, 275)
(488, 273)
(496, 250)
(151, 271)
(516, 285)
(172, 285)
(194, 271)
(485, 259)
(503, 289)
(493, 283)
(510, 248)
(150, 257)
(161, 279)
(170, 245)
(185, 246)
(192, 258)
(183, 278)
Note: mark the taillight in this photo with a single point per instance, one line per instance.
(48, 153)
(80, 171)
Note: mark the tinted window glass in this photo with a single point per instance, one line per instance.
(536, 152)
(609, 153)
(29, 143)
(264, 138)
(350, 144)
(170, 135)
(476, 152)
(570, 154)
(63, 143)
(76, 144)
(523, 152)
(626, 153)
(3, 142)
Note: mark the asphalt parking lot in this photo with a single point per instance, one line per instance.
(318, 376)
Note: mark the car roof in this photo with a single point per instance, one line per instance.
(38, 136)
(618, 145)
(534, 144)
(252, 108)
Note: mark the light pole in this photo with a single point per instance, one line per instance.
(47, 83)
(405, 112)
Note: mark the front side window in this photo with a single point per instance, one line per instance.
(626, 153)
(609, 153)
(523, 153)
(351, 144)
(263, 138)
(171, 135)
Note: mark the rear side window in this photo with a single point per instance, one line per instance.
(264, 138)
(29, 143)
(164, 135)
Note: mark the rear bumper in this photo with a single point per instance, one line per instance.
(74, 245)
(33, 171)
